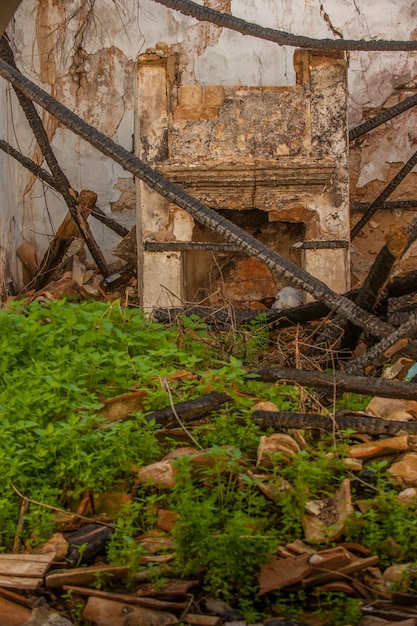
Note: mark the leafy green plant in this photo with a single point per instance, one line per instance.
(232, 428)
(388, 528)
(338, 609)
(352, 402)
(222, 528)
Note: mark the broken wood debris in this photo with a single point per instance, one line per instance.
(372, 287)
(310, 568)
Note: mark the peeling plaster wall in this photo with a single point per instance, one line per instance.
(83, 53)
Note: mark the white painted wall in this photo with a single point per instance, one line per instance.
(83, 53)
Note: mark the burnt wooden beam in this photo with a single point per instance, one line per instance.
(224, 20)
(169, 246)
(359, 423)
(186, 411)
(340, 382)
(406, 205)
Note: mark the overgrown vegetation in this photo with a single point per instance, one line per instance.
(60, 361)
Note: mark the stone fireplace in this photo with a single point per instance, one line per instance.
(271, 159)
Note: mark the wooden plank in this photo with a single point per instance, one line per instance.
(85, 575)
(25, 565)
(20, 582)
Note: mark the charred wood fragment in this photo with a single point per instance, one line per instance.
(86, 543)
(373, 286)
(191, 409)
(402, 285)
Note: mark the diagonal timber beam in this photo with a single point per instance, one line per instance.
(200, 212)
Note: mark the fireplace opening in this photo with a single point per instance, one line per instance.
(217, 278)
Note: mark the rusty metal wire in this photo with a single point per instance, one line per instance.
(206, 14)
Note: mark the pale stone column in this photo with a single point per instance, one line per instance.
(159, 273)
(329, 139)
